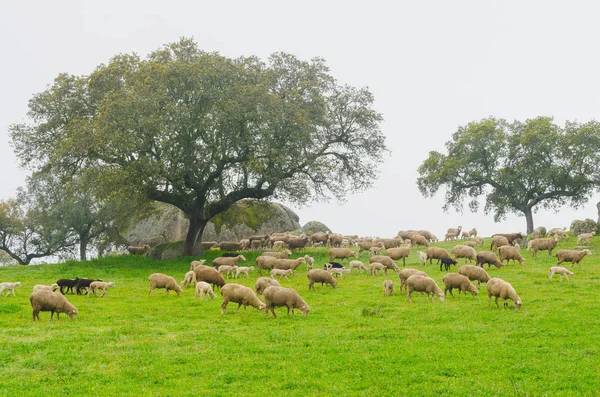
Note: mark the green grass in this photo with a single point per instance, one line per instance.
(354, 342)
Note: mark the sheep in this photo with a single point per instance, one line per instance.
(320, 237)
(335, 240)
(143, 250)
(417, 239)
(280, 245)
(388, 287)
(400, 252)
(358, 265)
(203, 289)
(562, 271)
(488, 257)
(479, 241)
(292, 264)
(230, 255)
(243, 269)
(226, 269)
(511, 237)
(423, 284)
(542, 244)
(507, 253)
(264, 282)
(474, 273)
(310, 261)
(52, 287)
(501, 289)
(389, 242)
(406, 273)
(557, 231)
(189, 279)
(195, 264)
(462, 251)
(96, 285)
(385, 261)
(584, 238)
(446, 262)
(53, 302)
(67, 284)
(367, 245)
(453, 280)
(298, 243)
(241, 295)
(211, 276)
(255, 244)
(281, 273)
(375, 250)
(471, 244)
(266, 263)
(229, 246)
(279, 255)
(423, 258)
(9, 287)
(332, 265)
(320, 276)
(83, 284)
(574, 257)
(436, 253)
(498, 241)
(339, 272)
(375, 266)
(341, 253)
(278, 296)
(452, 234)
(159, 280)
(244, 244)
(428, 235)
(227, 261)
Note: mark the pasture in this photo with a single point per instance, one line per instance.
(354, 342)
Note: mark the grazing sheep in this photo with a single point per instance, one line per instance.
(9, 287)
(488, 257)
(560, 232)
(189, 279)
(501, 289)
(389, 242)
(243, 269)
(159, 280)
(385, 261)
(96, 285)
(417, 239)
(423, 284)
(542, 244)
(375, 250)
(479, 241)
(53, 302)
(400, 252)
(255, 244)
(266, 263)
(562, 271)
(453, 280)
(204, 289)
(471, 244)
(367, 245)
(298, 243)
(195, 264)
(281, 273)
(229, 270)
(339, 272)
(462, 251)
(143, 250)
(264, 282)
(572, 256)
(241, 295)
(428, 235)
(406, 273)
(446, 262)
(279, 255)
(474, 273)
(498, 241)
(211, 276)
(52, 287)
(511, 237)
(341, 253)
(290, 298)
(388, 287)
(230, 246)
(375, 266)
(227, 261)
(436, 253)
(584, 238)
(310, 261)
(357, 265)
(66, 283)
(83, 284)
(510, 253)
(320, 276)
(292, 264)
(332, 265)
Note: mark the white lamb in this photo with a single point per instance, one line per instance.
(229, 269)
(338, 271)
(204, 289)
(9, 287)
(243, 269)
(281, 273)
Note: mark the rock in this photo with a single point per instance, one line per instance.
(586, 226)
(540, 232)
(314, 227)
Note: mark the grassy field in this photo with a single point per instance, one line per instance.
(354, 342)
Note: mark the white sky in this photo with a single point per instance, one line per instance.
(432, 66)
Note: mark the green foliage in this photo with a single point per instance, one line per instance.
(516, 167)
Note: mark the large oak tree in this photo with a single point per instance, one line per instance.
(517, 167)
(201, 131)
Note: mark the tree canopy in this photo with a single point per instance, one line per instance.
(518, 167)
(201, 131)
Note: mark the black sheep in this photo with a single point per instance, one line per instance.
(446, 261)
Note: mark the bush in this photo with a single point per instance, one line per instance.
(586, 226)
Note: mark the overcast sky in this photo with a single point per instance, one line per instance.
(431, 65)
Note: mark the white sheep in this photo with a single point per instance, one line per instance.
(584, 238)
(282, 273)
(310, 261)
(423, 284)
(388, 287)
(195, 264)
(204, 289)
(499, 288)
(53, 302)
(320, 276)
(375, 250)
(375, 266)
(52, 287)
(572, 256)
(189, 279)
(96, 285)
(462, 283)
(263, 282)
(562, 271)
(227, 269)
(338, 271)
(241, 295)
(227, 261)
(278, 296)
(357, 265)
(474, 273)
(243, 269)
(9, 287)
(422, 258)
(542, 244)
(463, 251)
(159, 280)
(406, 273)
(508, 253)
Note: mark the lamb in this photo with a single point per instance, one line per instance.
(339, 272)
(52, 287)
(488, 257)
(203, 289)
(562, 271)
(189, 279)
(572, 256)
(332, 265)
(446, 262)
(358, 265)
(310, 261)
(474, 273)
(320, 276)
(498, 241)
(292, 264)
(436, 253)
(453, 280)
(67, 284)
(241, 295)
(367, 245)
(96, 285)
(279, 255)
(281, 273)
(9, 287)
(388, 287)
(401, 252)
(462, 251)
(501, 289)
(53, 302)
(479, 241)
(542, 244)
(562, 233)
(385, 261)
(227, 261)
(263, 282)
(406, 273)
(266, 263)
(584, 238)
(423, 284)
(159, 280)
(417, 239)
(278, 296)
(211, 276)
(341, 253)
(195, 264)
(243, 269)
(423, 258)
(227, 269)
(375, 266)
(375, 250)
(137, 250)
(507, 253)
(83, 284)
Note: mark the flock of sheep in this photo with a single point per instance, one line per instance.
(276, 263)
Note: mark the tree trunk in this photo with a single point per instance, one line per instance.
(83, 243)
(194, 233)
(529, 218)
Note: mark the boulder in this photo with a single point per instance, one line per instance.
(314, 227)
(585, 226)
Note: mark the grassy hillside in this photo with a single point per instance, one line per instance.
(354, 342)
